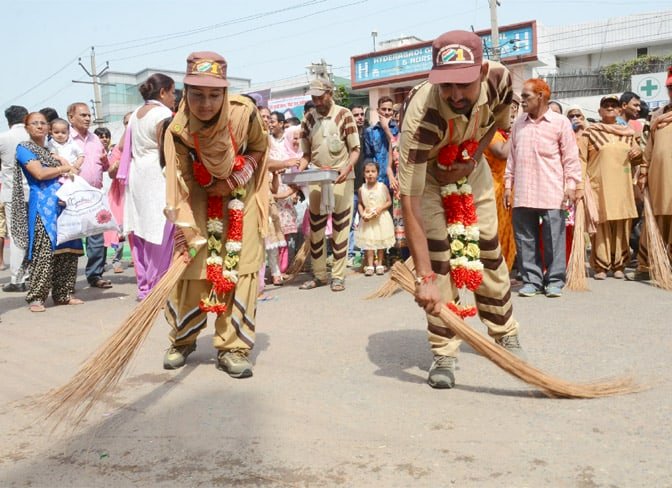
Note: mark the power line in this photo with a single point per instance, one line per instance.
(176, 35)
(245, 31)
(40, 83)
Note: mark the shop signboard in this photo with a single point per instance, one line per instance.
(517, 42)
(651, 88)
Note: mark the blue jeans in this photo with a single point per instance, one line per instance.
(96, 253)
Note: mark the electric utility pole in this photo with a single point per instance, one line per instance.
(94, 75)
(495, 29)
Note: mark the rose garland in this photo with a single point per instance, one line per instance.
(466, 268)
(222, 259)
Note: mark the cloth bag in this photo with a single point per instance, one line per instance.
(86, 213)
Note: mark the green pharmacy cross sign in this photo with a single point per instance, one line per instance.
(648, 86)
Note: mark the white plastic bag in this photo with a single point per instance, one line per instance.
(86, 211)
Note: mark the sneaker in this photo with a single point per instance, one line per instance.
(553, 292)
(235, 363)
(442, 372)
(638, 276)
(176, 356)
(512, 344)
(14, 287)
(528, 291)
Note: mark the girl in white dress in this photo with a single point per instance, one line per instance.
(375, 233)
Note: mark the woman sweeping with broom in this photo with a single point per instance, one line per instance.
(217, 197)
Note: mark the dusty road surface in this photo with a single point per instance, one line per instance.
(339, 398)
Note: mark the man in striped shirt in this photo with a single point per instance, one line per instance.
(544, 172)
(466, 99)
(329, 140)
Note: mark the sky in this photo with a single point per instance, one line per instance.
(261, 40)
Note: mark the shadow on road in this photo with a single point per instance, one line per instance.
(397, 351)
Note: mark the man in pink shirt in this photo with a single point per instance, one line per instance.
(95, 163)
(544, 172)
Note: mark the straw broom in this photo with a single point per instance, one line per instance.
(576, 267)
(550, 386)
(299, 260)
(103, 370)
(592, 214)
(659, 261)
(390, 287)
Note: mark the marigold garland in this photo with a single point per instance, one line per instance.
(222, 259)
(466, 268)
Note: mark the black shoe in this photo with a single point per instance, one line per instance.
(15, 287)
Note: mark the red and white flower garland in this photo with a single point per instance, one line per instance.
(222, 259)
(466, 268)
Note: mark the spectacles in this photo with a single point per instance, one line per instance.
(38, 123)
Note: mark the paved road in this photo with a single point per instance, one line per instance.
(339, 398)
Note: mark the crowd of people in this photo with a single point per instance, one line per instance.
(204, 176)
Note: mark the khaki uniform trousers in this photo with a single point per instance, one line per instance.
(234, 329)
(664, 223)
(493, 297)
(340, 222)
(610, 245)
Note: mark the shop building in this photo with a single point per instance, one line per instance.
(405, 62)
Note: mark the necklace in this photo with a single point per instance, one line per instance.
(223, 258)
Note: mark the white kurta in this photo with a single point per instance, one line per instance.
(146, 190)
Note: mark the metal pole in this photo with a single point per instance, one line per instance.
(495, 30)
(97, 101)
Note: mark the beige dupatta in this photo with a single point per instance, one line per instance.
(216, 150)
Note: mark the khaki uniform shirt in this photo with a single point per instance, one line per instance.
(429, 124)
(328, 140)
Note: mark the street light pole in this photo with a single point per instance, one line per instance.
(374, 34)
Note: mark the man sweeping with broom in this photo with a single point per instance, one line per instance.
(218, 199)
(448, 198)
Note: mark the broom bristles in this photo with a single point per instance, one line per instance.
(659, 259)
(390, 286)
(103, 370)
(576, 267)
(299, 260)
(592, 214)
(515, 366)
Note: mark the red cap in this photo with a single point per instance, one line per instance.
(206, 68)
(457, 57)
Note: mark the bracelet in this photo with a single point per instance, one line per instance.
(423, 280)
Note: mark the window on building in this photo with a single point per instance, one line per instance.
(642, 51)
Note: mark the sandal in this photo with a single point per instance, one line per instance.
(118, 269)
(368, 270)
(70, 301)
(36, 307)
(310, 284)
(101, 283)
(380, 270)
(337, 284)
(277, 281)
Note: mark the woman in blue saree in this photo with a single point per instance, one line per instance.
(52, 267)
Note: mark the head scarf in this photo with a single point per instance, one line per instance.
(576, 108)
(216, 141)
(289, 137)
